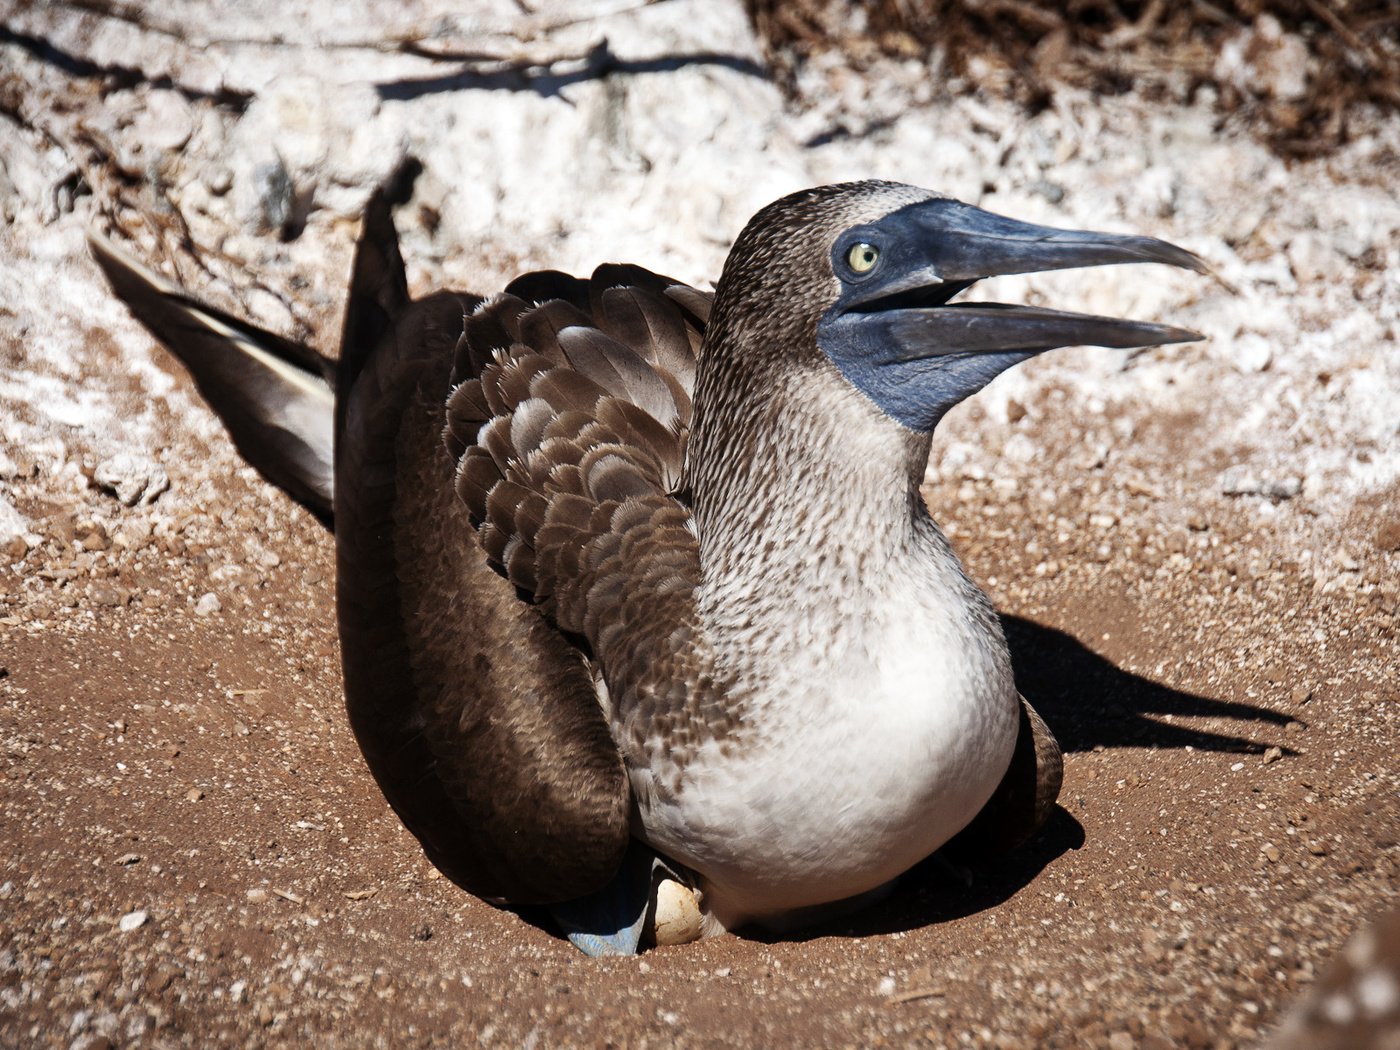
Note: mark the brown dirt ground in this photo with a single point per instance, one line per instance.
(1230, 809)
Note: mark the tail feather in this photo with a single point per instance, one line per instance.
(378, 291)
(275, 397)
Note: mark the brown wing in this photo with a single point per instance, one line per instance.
(570, 426)
(478, 718)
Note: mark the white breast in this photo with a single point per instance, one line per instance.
(879, 721)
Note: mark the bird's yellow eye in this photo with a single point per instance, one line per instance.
(862, 257)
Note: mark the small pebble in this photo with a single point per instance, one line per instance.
(1317, 847)
(1272, 853)
(1302, 694)
(132, 920)
(1245, 484)
(208, 604)
(108, 595)
(133, 535)
(193, 795)
(93, 536)
(1273, 755)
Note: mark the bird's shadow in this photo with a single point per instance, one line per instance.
(1089, 704)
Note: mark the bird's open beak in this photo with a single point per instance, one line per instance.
(946, 246)
(895, 334)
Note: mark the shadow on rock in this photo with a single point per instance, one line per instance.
(1089, 703)
(484, 72)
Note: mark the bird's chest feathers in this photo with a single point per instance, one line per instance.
(879, 714)
(890, 679)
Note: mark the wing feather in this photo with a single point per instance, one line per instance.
(590, 403)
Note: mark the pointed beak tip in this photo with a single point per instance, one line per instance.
(1175, 255)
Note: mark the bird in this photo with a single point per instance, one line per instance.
(635, 583)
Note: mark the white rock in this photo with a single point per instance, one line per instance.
(132, 920)
(298, 143)
(12, 522)
(208, 604)
(131, 478)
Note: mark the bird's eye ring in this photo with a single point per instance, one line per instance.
(862, 257)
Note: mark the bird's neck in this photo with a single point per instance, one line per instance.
(805, 494)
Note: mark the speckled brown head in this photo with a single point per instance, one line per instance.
(834, 313)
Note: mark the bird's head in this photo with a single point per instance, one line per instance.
(862, 274)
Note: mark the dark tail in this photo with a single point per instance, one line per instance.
(276, 397)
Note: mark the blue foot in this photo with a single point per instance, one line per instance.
(610, 921)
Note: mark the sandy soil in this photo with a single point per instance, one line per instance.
(1195, 550)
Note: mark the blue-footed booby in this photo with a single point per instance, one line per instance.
(635, 578)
